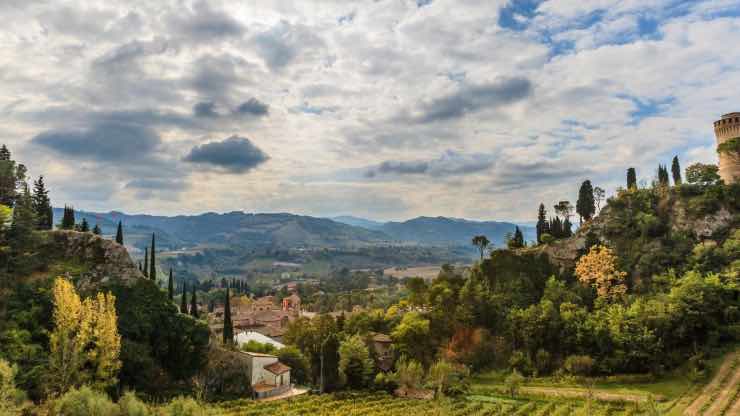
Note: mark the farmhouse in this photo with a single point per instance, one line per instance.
(268, 376)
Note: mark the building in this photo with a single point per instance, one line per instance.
(263, 315)
(382, 346)
(726, 129)
(267, 375)
(244, 337)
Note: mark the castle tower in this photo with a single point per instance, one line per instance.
(726, 128)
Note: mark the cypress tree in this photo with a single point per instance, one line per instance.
(194, 304)
(663, 175)
(518, 238)
(586, 205)
(631, 178)
(184, 298)
(68, 218)
(567, 232)
(119, 233)
(171, 286)
(8, 185)
(152, 267)
(4, 153)
(84, 226)
(146, 261)
(676, 171)
(541, 221)
(42, 205)
(97, 230)
(228, 325)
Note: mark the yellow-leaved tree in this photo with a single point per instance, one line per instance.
(85, 344)
(598, 268)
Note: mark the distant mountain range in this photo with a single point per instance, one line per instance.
(293, 231)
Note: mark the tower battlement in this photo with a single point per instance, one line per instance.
(727, 128)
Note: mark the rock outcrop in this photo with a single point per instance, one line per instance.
(103, 260)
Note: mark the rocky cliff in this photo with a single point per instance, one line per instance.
(102, 260)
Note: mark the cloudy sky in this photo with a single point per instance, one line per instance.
(386, 109)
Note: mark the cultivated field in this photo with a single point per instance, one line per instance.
(425, 272)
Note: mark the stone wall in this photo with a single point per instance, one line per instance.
(728, 127)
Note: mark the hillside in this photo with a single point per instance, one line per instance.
(452, 231)
(654, 230)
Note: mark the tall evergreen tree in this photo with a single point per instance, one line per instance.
(517, 240)
(96, 230)
(68, 218)
(184, 298)
(23, 221)
(119, 233)
(8, 185)
(556, 227)
(676, 171)
(663, 176)
(42, 205)
(567, 231)
(146, 261)
(228, 324)
(586, 206)
(541, 222)
(631, 178)
(171, 286)
(84, 226)
(194, 304)
(152, 263)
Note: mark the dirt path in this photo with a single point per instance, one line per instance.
(714, 392)
(735, 409)
(573, 393)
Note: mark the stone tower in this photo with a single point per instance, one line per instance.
(726, 128)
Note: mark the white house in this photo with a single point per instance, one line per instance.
(268, 376)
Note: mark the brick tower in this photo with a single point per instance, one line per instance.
(726, 128)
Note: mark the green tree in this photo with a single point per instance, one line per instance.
(23, 223)
(7, 178)
(194, 304)
(96, 230)
(702, 174)
(440, 376)
(543, 226)
(663, 179)
(676, 171)
(586, 206)
(68, 218)
(10, 397)
(409, 373)
(228, 324)
(513, 383)
(481, 241)
(171, 286)
(119, 233)
(152, 262)
(631, 178)
(355, 364)
(298, 363)
(599, 194)
(84, 226)
(412, 337)
(42, 205)
(184, 299)
(146, 262)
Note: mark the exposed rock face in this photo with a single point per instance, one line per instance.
(107, 260)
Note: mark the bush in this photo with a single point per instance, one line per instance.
(384, 382)
(542, 361)
(513, 382)
(131, 405)
(579, 365)
(521, 362)
(186, 406)
(10, 397)
(84, 402)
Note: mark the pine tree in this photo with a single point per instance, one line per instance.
(631, 178)
(676, 171)
(184, 298)
(8, 185)
(228, 325)
(119, 233)
(23, 221)
(586, 206)
(194, 304)
(68, 218)
(152, 264)
(517, 240)
(96, 230)
(556, 227)
(541, 222)
(146, 261)
(171, 286)
(663, 176)
(42, 205)
(84, 226)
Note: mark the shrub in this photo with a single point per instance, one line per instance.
(521, 362)
(10, 397)
(513, 382)
(542, 361)
(84, 402)
(384, 382)
(547, 238)
(579, 365)
(131, 405)
(186, 406)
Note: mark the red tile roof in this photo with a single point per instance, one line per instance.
(277, 368)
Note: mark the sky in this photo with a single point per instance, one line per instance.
(386, 109)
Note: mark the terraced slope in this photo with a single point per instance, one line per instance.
(720, 396)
